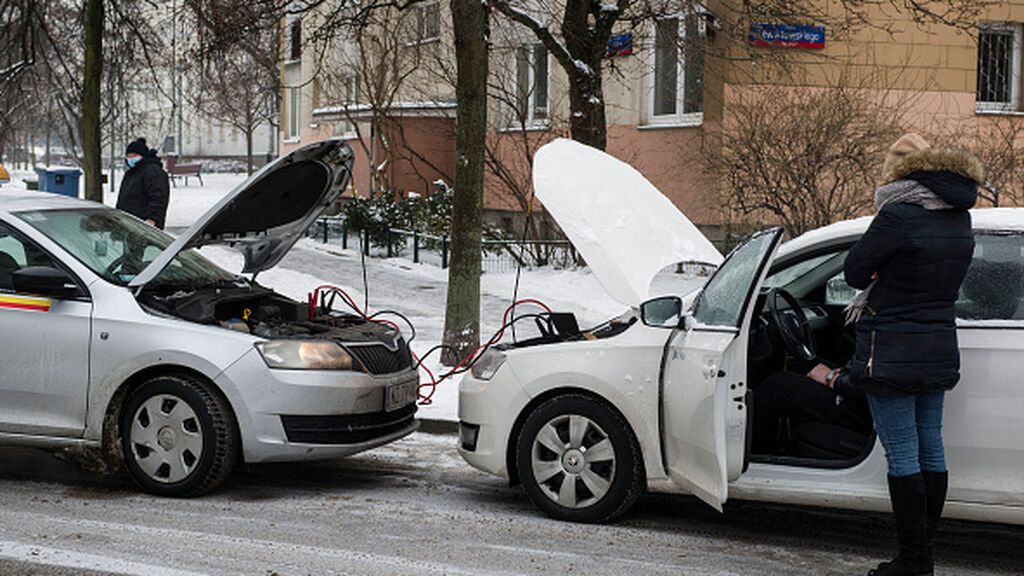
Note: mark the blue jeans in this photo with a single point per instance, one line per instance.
(910, 428)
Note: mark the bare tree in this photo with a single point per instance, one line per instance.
(999, 143)
(804, 157)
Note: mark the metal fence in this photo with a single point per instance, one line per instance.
(498, 256)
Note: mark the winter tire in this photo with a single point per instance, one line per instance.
(578, 460)
(178, 438)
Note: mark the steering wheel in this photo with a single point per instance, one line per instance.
(126, 258)
(797, 336)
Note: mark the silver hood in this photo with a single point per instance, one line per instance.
(624, 227)
(267, 214)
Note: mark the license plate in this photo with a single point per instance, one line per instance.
(400, 394)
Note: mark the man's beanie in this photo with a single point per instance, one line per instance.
(138, 147)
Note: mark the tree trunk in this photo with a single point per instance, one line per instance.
(248, 149)
(586, 100)
(462, 315)
(91, 101)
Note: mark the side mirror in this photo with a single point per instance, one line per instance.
(663, 312)
(44, 281)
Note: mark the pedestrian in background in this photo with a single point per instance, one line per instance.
(145, 189)
(910, 264)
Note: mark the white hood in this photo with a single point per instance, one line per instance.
(625, 228)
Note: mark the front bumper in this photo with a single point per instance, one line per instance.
(487, 415)
(290, 415)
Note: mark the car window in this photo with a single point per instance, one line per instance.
(17, 252)
(783, 277)
(118, 247)
(994, 286)
(722, 301)
(838, 292)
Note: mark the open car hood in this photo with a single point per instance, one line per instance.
(625, 228)
(266, 215)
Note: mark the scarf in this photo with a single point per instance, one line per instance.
(900, 191)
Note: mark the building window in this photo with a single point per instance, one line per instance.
(353, 94)
(292, 132)
(675, 80)
(531, 67)
(428, 23)
(999, 52)
(294, 40)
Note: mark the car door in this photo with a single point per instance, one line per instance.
(984, 414)
(704, 408)
(44, 350)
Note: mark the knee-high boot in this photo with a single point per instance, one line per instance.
(936, 486)
(910, 507)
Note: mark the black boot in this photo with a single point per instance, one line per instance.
(936, 486)
(910, 507)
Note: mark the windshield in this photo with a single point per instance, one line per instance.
(118, 247)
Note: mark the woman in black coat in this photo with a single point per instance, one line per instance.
(145, 190)
(910, 264)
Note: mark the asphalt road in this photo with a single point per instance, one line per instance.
(415, 508)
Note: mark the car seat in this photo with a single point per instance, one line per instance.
(8, 265)
(994, 290)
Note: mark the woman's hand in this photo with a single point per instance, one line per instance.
(819, 374)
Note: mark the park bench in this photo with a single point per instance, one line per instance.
(175, 171)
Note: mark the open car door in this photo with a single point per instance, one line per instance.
(704, 384)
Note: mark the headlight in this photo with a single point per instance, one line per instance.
(487, 366)
(306, 355)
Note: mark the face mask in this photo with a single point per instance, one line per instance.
(131, 162)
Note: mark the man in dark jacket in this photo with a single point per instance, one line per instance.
(145, 188)
(910, 264)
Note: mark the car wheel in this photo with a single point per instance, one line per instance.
(578, 460)
(178, 438)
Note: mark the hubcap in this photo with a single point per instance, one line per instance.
(573, 461)
(166, 439)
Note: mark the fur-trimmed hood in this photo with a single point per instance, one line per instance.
(952, 175)
(937, 160)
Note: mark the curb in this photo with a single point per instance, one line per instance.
(441, 427)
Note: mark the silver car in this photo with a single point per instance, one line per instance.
(120, 341)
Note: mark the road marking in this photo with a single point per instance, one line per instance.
(69, 559)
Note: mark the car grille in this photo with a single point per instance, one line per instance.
(350, 429)
(377, 359)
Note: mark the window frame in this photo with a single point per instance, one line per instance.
(1013, 105)
(679, 118)
(293, 115)
(530, 121)
(419, 33)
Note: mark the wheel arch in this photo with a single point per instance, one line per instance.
(112, 412)
(517, 426)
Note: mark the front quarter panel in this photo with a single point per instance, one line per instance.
(623, 370)
(127, 340)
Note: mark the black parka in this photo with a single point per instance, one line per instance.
(906, 338)
(145, 190)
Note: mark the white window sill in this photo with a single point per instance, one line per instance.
(348, 136)
(293, 140)
(423, 42)
(995, 110)
(685, 121)
(294, 61)
(530, 127)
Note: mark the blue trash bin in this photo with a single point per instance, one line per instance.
(63, 181)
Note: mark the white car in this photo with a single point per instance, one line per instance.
(119, 341)
(661, 399)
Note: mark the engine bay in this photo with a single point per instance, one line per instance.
(259, 311)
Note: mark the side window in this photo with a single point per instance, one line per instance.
(994, 286)
(838, 292)
(17, 253)
(722, 301)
